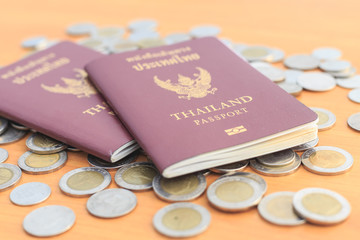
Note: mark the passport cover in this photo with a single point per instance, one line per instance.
(195, 97)
(49, 92)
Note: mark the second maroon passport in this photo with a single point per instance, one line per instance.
(49, 92)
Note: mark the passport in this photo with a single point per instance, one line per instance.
(196, 105)
(49, 92)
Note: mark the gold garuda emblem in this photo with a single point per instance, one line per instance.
(191, 88)
(78, 86)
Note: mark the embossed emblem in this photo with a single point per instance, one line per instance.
(78, 86)
(235, 130)
(191, 88)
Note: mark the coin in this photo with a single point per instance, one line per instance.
(82, 182)
(18, 126)
(326, 118)
(3, 155)
(335, 65)
(232, 167)
(136, 176)
(97, 162)
(73, 149)
(152, 42)
(30, 193)
(256, 53)
(96, 44)
(277, 159)
(183, 188)
(143, 35)
(327, 53)
(316, 81)
(301, 62)
(85, 28)
(111, 203)
(182, 220)
(205, 31)
(276, 55)
(352, 82)
(3, 125)
(321, 206)
(33, 42)
(273, 73)
(11, 135)
(277, 208)
(325, 160)
(41, 144)
(344, 74)
(142, 24)
(176, 38)
(9, 175)
(354, 95)
(306, 146)
(108, 33)
(253, 176)
(123, 46)
(227, 42)
(49, 221)
(276, 171)
(354, 121)
(291, 88)
(33, 163)
(291, 75)
(235, 193)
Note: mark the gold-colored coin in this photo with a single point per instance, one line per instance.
(85, 180)
(33, 163)
(327, 160)
(322, 204)
(234, 191)
(256, 53)
(39, 161)
(180, 185)
(326, 118)
(181, 219)
(5, 175)
(9, 175)
(41, 144)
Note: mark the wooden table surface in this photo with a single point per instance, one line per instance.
(294, 26)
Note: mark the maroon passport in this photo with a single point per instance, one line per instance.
(49, 92)
(196, 105)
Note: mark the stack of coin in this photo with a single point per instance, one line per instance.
(280, 163)
(236, 192)
(231, 168)
(8, 133)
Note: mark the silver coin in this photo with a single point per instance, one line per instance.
(277, 208)
(9, 175)
(344, 74)
(256, 53)
(136, 176)
(306, 146)
(326, 118)
(3, 155)
(291, 88)
(41, 144)
(227, 42)
(85, 28)
(143, 35)
(111, 203)
(253, 176)
(321, 206)
(176, 38)
(291, 75)
(276, 171)
(277, 159)
(49, 221)
(354, 95)
(30, 193)
(351, 83)
(96, 44)
(276, 55)
(235, 193)
(123, 46)
(354, 121)
(82, 182)
(18, 126)
(183, 188)
(47, 44)
(109, 33)
(326, 160)
(142, 25)
(327, 53)
(181, 220)
(3, 125)
(302, 62)
(33, 42)
(231, 168)
(11, 135)
(335, 65)
(33, 163)
(204, 31)
(97, 162)
(273, 73)
(316, 81)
